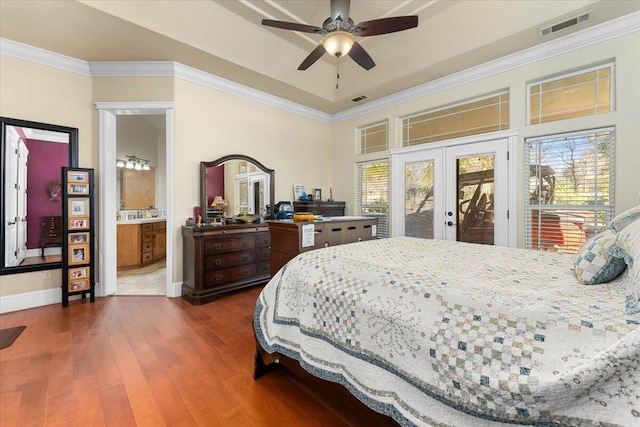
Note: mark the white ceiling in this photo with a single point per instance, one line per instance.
(226, 38)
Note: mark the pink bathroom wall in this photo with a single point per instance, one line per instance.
(45, 159)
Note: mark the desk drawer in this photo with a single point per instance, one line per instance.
(219, 261)
(226, 275)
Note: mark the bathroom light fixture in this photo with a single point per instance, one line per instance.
(134, 162)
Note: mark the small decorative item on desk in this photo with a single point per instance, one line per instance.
(303, 216)
(317, 194)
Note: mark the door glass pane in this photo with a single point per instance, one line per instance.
(418, 202)
(475, 184)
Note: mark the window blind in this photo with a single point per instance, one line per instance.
(373, 193)
(570, 188)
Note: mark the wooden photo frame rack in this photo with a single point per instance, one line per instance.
(78, 229)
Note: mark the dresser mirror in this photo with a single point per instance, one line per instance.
(32, 157)
(235, 185)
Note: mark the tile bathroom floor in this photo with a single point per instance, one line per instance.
(148, 280)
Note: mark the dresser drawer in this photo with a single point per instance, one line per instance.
(147, 257)
(264, 268)
(226, 275)
(264, 254)
(212, 246)
(264, 240)
(219, 261)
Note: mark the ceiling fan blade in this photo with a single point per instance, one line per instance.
(385, 25)
(313, 57)
(293, 26)
(362, 58)
(340, 8)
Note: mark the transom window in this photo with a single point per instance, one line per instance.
(487, 114)
(583, 93)
(570, 188)
(374, 138)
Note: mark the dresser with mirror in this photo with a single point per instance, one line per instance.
(230, 248)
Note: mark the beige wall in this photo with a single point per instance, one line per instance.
(209, 124)
(626, 117)
(30, 91)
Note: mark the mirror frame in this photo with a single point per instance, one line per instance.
(72, 162)
(221, 160)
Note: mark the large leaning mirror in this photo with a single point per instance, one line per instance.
(32, 157)
(235, 185)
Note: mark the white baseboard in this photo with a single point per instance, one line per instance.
(9, 303)
(174, 290)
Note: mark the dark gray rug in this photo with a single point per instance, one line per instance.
(9, 335)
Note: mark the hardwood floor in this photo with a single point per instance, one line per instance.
(125, 361)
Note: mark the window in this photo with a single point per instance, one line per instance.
(374, 138)
(483, 115)
(569, 188)
(584, 93)
(373, 193)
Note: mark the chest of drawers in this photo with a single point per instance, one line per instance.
(223, 259)
(289, 237)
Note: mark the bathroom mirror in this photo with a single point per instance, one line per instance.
(32, 157)
(235, 185)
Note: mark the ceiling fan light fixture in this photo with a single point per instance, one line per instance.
(338, 43)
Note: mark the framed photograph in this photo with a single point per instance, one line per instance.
(77, 177)
(298, 191)
(76, 285)
(79, 273)
(75, 238)
(78, 207)
(317, 194)
(74, 188)
(79, 254)
(78, 223)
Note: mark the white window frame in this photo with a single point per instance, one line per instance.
(572, 74)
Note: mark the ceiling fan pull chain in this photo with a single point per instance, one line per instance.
(338, 73)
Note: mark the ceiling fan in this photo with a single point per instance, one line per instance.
(339, 33)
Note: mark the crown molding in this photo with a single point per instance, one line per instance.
(44, 57)
(214, 82)
(589, 36)
(606, 31)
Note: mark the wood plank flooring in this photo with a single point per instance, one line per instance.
(127, 361)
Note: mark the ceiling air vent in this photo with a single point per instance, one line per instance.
(358, 99)
(584, 17)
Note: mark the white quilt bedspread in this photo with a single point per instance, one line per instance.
(444, 333)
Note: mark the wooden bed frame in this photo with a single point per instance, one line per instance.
(333, 395)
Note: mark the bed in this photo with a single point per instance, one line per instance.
(433, 332)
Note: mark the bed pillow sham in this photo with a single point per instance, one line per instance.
(625, 218)
(628, 240)
(595, 261)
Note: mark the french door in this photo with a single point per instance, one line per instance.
(454, 192)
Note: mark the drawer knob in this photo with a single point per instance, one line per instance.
(217, 246)
(218, 277)
(245, 272)
(245, 243)
(245, 257)
(218, 262)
